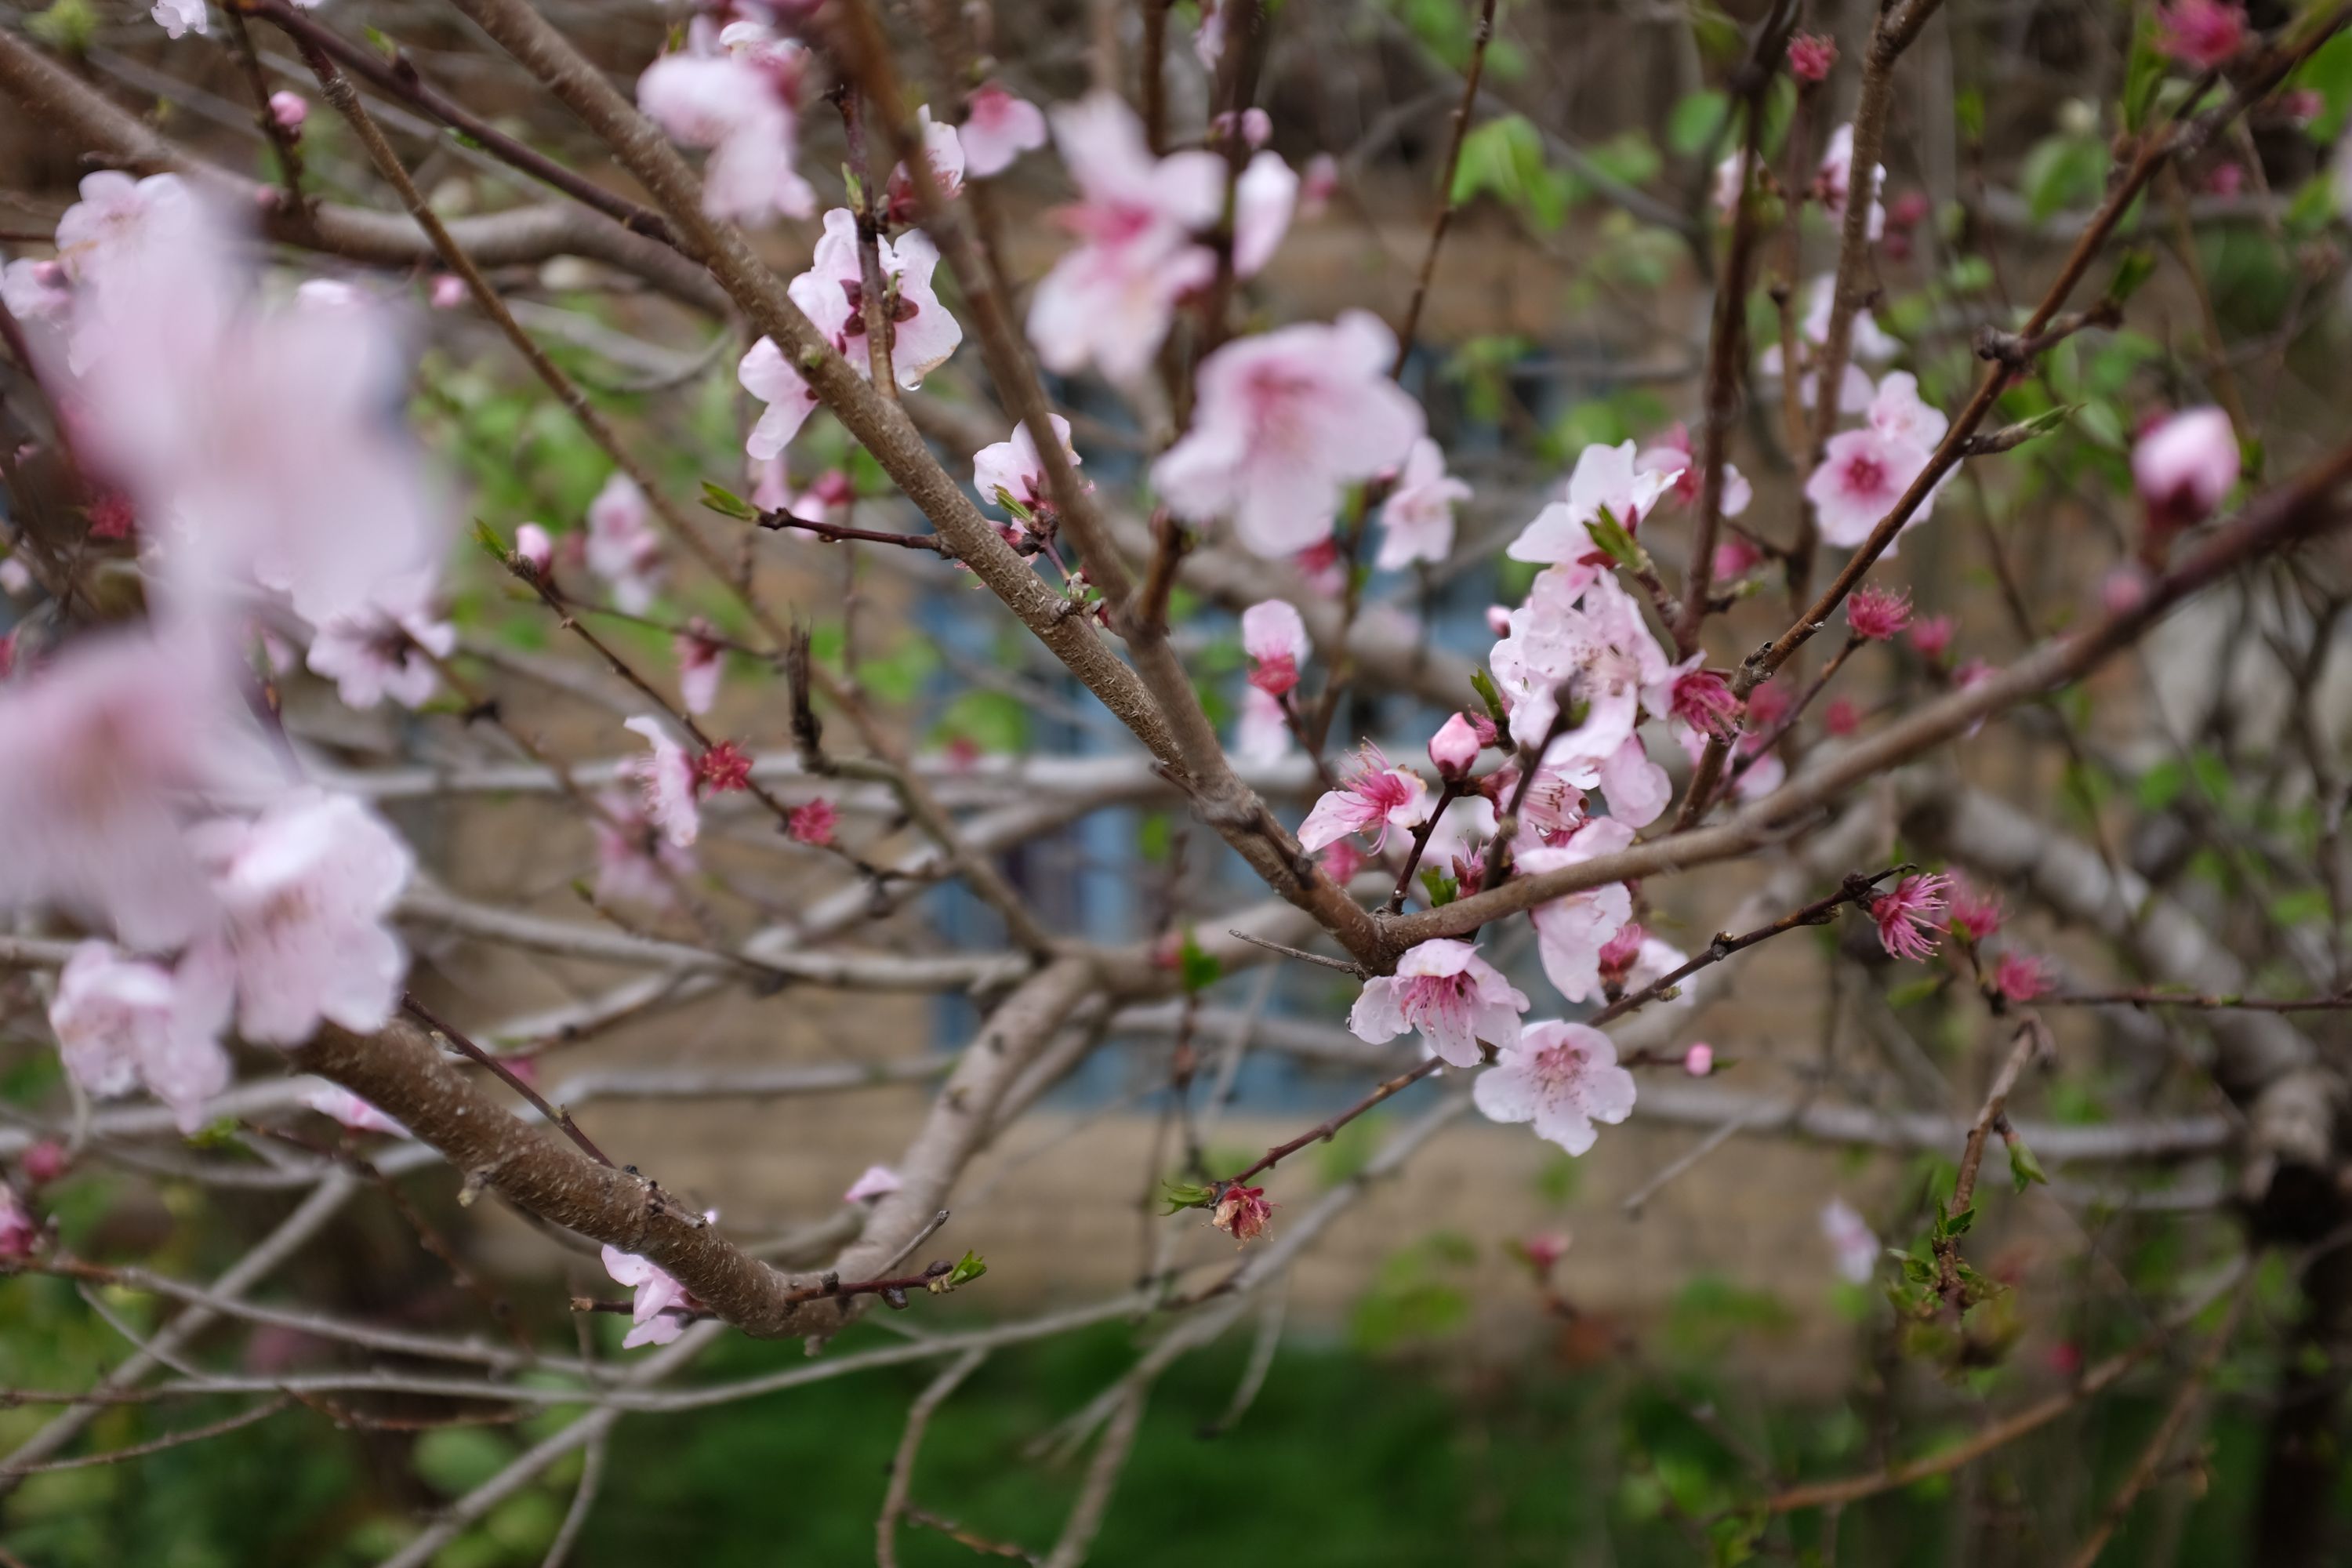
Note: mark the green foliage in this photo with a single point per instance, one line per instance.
(69, 26)
(2062, 173)
(1698, 122)
(2329, 72)
(1418, 1296)
(1505, 159)
(1196, 967)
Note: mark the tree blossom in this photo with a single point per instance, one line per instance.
(700, 662)
(1975, 911)
(45, 1161)
(1264, 200)
(1553, 805)
(667, 777)
(100, 749)
(2200, 34)
(1695, 699)
(446, 292)
(1109, 301)
(533, 549)
(375, 655)
(635, 861)
(1833, 182)
(20, 1233)
(1243, 1212)
(1375, 799)
(744, 106)
(1605, 479)
(1734, 559)
(1932, 636)
(623, 547)
(1810, 56)
(832, 293)
(1417, 520)
(877, 1181)
(2022, 978)
(1699, 1059)
(1261, 735)
(289, 110)
(124, 1022)
(657, 1293)
(1842, 717)
(766, 375)
(1446, 993)
(2184, 464)
(1672, 455)
(333, 1100)
(178, 17)
(1867, 344)
(1910, 918)
(997, 128)
(1864, 474)
(1877, 615)
(1275, 637)
(1284, 420)
(1592, 639)
(723, 766)
(1209, 42)
(1454, 748)
(812, 823)
(1317, 185)
(305, 890)
(1850, 1236)
(944, 151)
(1563, 1077)
(1456, 839)
(1012, 472)
(1638, 789)
(1571, 931)
(254, 444)
(1634, 960)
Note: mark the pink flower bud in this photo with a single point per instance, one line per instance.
(1975, 912)
(725, 766)
(448, 291)
(1932, 635)
(2184, 464)
(2123, 590)
(44, 1160)
(1810, 56)
(1908, 210)
(2200, 34)
(1876, 615)
(1543, 1250)
(1243, 1211)
(1699, 1060)
(1341, 861)
(1734, 559)
(288, 110)
(1455, 747)
(1841, 718)
(2022, 978)
(1498, 620)
(1317, 184)
(534, 549)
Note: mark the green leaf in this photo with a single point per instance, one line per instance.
(1196, 967)
(969, 1268)
(1181, 1195)
(1695, 121)
(1505, 159)
(1614, 542)
(69, 27)
(727, 504)
(2143, 75)
(2137, 266)
(1484, 684)
(2063, 171)
(1950, 1227)
(2024, 1170)
(1442, 889)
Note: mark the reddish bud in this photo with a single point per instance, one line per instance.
(1456, 747)
(1810, 56)
(110, 517)
(1932, 635)
(1734, 559)
(288, 110)
(813, 823)
(1841, 718)
(725, 766)
(44, 1160)
(1243, 1211)
(1699, 1060)
(1876, 615)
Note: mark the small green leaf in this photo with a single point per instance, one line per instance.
(727, 504)
(2024, 1170)
(1196, 966)
(1442, 889)
(1180, 1195)
(1953, 1226)
(1694, 122)
(1484, 684)
(2137, 266)
(1614, 542)
(492, 545)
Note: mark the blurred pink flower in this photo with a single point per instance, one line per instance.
(623, 547)
(998, 129)
(1014, 467)
(1417, 520)
(813, 823)
(667, 777)
(1275, 639)
(2184, 464)
(1878, 614)
(1910, 918)
(744, 106)
(653, 1323)
(700, 662)
(334, 1100)
(832, 293)
(2201, 34)
(878, 1182)
(373, 655)
(1851, 1237)
(123, 1022)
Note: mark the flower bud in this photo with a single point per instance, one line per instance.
(288, 110)
(1699, 1060)
(533, 549)
(1454, 748)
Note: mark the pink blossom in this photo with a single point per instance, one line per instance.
(623, 547)
(724, 766)
(997, 129)
(1342, 861)
(1699, 1060)
(1606, 479)
(944, 151)
(1209, 42)
(667, 777)
(1275, 637)
(334, 1100)
(1863, 475)
(1417, 520)
(1553, 806)
(123, 1022)
(1446, 993)
(1897, 413)
(923, 334)
(1318, 184)
(1257, 127)
(1842, 717)
(1454, 748)
(1810, 56)
(1243, 1212)
(1285, 420)
(1672, 455)
(534, 549)
(1734, 559)
(1376, 798)
(1698, 698)
(375, 655)
(20, 1233)
(766, 375)
(45, 1161)
(305, 890)
(1834, 180)
(1638, 789)
(446, 292)
(1261, 735)
(1932, 636)
(1564, 1078)
(1729, 183)
(2226, 180)
(1974, 910)
(1850, 1236)
(1461, 833)
(1571, 931)
(1264, 199)
(657, 1293)
(635, 861)
(2184, 464)
(36, 291)
(252, 444)
(743, 106)
(1592, 638)
(2200, 34)
(1868, 345)
(1542, 1251)
(178, 17)
(2022, 978)
(878, 1182)
(700, 662)
(1910, 918)
(812, 823)
(1877, 615)
(1012, 473)
(1109, 301)
(100, 749)
(288, 110)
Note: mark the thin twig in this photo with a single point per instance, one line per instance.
(1480, 38)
